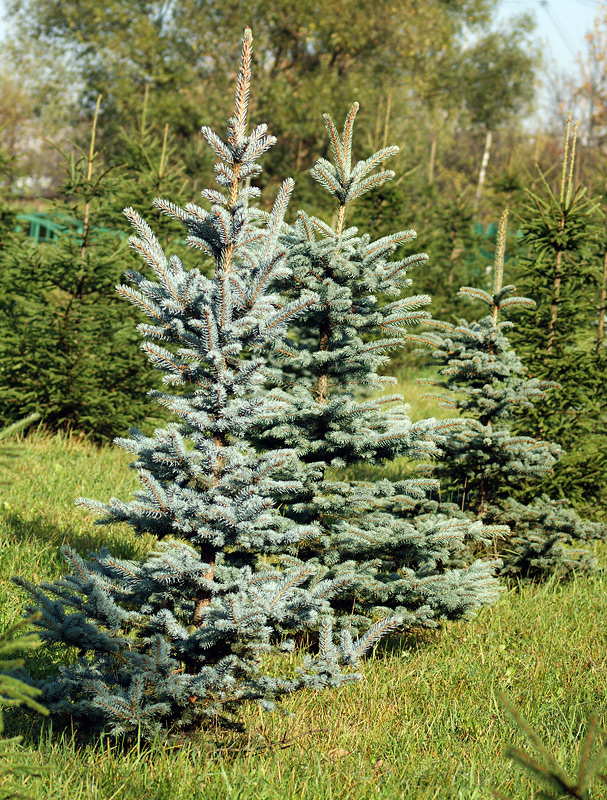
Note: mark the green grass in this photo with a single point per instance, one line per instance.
(420, 407)
(424, 722)
(413, 393)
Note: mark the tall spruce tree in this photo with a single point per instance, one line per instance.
(183, 635)
(482, 466)
(413, 567)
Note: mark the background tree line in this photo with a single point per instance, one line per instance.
(419, 67)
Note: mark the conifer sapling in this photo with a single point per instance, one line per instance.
(564, 269)
(413, 567)
(483, 465)
(184, 634)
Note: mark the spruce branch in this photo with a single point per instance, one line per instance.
(547, 771)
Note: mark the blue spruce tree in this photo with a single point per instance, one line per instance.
(414, 567)
(184, 634)
(484, 464)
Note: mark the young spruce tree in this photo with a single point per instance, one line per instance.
(185, 634)
(483, 465)
(561, 338)
(412, 567)
(66, 341)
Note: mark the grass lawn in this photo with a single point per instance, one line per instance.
(424, 722)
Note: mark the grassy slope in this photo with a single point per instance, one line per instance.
(424, 722)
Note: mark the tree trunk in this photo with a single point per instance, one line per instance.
(387, 121)
(378, 125)
(323, 379)
(432, 161)
(207, 551)
(203, 596)
(455, 252)
(554, 304)
(600, 342)
(483, 170)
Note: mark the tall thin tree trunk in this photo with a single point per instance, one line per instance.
(432, 160)
(483, 170)
(378, 125)
(600, 342)
(538, 145)
(455, 252)
(537, 149)
(89, 175)
(387, 121)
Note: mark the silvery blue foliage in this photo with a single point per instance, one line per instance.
(406, 562)
(483, 464)
(182, 635)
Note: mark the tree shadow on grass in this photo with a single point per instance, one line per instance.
(23, 721)
(411, 640)
(121, 543)
(36, 729)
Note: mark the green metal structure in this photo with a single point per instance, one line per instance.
(44, 228)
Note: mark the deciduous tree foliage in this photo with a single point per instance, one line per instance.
(312, 58)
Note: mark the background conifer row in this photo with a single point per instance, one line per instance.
(562, 266)
(67, 349)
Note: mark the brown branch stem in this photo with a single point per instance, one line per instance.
(323, 379)
(554, 303)
(208, 553)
